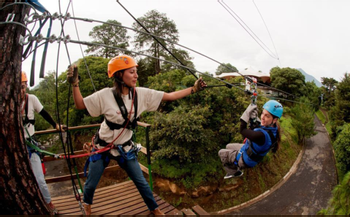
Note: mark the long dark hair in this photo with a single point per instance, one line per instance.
(118, 82)
(278, 137)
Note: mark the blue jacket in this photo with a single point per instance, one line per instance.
(259, 150)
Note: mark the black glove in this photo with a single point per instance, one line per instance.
(72, 75)
(198, 85)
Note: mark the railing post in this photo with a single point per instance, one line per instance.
(149, 158)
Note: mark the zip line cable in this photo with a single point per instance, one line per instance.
(81, 50)
(268, 31)
(146, 33)
(68, 139)
(155, 38)
(153, 57)
(256, 38)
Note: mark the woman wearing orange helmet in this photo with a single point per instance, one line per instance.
(115, 104)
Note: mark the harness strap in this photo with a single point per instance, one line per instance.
(26, 119)
(252, 153)
(129, 124)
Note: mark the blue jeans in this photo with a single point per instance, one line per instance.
(133, 170)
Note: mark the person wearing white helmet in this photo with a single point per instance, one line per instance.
(259, 141)
(115, 104)
(30, 105)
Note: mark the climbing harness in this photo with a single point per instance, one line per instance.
(252, 153)
(127, 123)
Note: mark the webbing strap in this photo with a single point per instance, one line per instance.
(124, 111)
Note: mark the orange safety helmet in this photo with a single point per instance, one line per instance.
(24, 77)
(119, 63)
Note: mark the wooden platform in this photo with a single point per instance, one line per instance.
(119, 199)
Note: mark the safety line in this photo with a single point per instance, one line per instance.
(142, 32)
(155, 38)
(268, 31)
(176, 64)
(185, 47)
(231, 12)
(69, 145)
(82, 53)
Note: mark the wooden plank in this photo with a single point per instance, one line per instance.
(188, 212)
(199, 210)
(81, 175)
(144, 169)
(120, 199)
(112, 188)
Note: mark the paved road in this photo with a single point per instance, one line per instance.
(309, 189)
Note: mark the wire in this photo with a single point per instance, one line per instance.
(82, 53)
(268, 31)
(138, 53)
(155, 38)
(146, 33)
(256, 38)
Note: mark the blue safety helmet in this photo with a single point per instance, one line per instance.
(275, 108)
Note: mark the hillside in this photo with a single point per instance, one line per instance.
(310, 78)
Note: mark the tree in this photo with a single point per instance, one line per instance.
(329, 83)
(288, 79)
(46, 92)
(158, 24)
(110, 35)
(313, 93)
(342, 150)
(98, 70)
(340, 113)
(303, 119)
(226, 67)
(328, 91)
(187, 134)
(20, 192)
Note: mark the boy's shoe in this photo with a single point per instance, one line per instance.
(238, 173)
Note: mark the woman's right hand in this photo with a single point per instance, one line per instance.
(72, 75)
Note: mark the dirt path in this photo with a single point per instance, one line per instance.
(308, 190)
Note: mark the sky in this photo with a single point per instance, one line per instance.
(313, 35)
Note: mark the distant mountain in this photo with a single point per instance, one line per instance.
(310, 78)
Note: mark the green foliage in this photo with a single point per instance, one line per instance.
(303, 119)
(46, 92)
(342, 150)
(188, 133)
(159, 25)
(288, 79)
(111, 36)
(328, 91)
(313, 93)
(98, 70)
(340, 112)
(225, 68)
(340, 203)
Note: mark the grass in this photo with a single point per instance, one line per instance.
(321, 116)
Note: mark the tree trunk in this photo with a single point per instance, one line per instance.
(20, 193)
